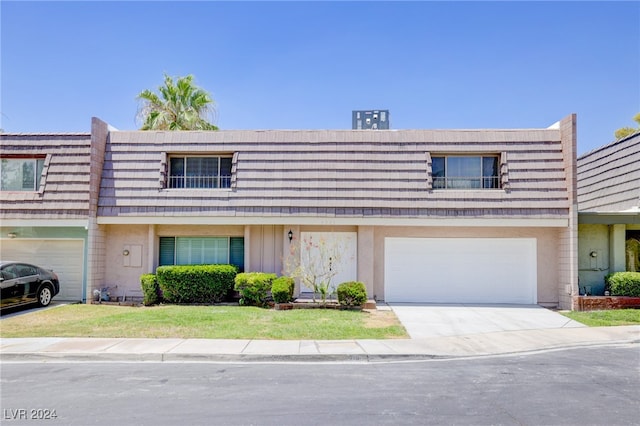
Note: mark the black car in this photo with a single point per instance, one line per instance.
(23, 283)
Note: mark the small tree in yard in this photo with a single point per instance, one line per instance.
(315, 262)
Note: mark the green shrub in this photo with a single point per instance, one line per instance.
(150, 289)
(282, 289)
(253, 287)
(352, 293)
(623, 284)
(196, 283)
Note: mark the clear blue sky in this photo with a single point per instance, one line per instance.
(296, 65)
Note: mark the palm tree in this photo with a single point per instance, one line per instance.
(181, 106)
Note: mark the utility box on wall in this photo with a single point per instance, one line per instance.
(377, 119)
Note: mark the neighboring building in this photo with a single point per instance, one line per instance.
(609, 212)
(370, 120)
(44, 204)
(447, 216)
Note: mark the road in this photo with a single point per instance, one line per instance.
(586, 386)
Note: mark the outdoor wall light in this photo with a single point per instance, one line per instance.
(290, 234)
(12, 235)
(593, 254)
(125, 253)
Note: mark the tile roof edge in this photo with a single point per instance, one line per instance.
(609, 145)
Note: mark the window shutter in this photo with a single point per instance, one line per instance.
(167, 251)
(236, 252)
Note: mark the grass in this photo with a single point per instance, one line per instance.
(207, 322)
(606, 318)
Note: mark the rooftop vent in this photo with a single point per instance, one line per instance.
(377, 119)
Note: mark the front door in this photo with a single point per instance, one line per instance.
(332, 254)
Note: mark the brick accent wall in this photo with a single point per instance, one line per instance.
(596, 303)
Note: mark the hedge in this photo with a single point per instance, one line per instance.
(150, 289)
(623, 284)
(352, 293)
(282, 289)
(253, 287)
(196, 283)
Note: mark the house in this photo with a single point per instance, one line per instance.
(45, 204)
(441, 216)
(609, 212)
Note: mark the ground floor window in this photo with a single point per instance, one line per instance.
(202, 250)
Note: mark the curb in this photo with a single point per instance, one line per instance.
(280, 358)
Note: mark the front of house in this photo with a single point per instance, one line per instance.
(437, 216)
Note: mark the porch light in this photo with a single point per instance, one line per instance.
(290, 235)
(593, 254)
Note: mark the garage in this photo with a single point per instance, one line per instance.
(65, 257)
(460, 270)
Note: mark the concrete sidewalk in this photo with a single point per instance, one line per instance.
(205, 350)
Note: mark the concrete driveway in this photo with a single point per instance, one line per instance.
(433, 320)
(27, 309)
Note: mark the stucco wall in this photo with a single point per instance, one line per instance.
(547, 250)
(126, 278)
(268, 245)
(124, 271)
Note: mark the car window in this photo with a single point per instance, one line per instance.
(26, 270)
(9, 272)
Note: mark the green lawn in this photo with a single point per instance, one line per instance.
(208, 322)
(606, 318)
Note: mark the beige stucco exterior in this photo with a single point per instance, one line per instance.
(123, 271)
(266, 247)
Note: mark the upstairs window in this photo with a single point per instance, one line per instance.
(465, 172)
(21, 174)
(199, 172)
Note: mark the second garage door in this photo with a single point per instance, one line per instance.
(459, 270)
(65, 257)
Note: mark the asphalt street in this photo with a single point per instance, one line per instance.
(583, 386)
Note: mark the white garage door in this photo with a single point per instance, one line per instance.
(459, 270)
(65, 257)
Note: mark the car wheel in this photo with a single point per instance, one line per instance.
(44, 296)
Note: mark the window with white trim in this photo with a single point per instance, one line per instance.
(21, 174)
(465, 172)
(199, 172)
